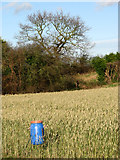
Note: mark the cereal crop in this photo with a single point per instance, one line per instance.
(79, 124)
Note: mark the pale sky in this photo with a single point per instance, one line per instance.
(101, 17)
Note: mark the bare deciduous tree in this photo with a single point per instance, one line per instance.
(58, 34)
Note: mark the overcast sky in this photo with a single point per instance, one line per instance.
(101, 17)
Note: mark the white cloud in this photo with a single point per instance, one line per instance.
(107, 41)
(105, 3)
(18, 6)
(23, 6)
(103, 47)
(12, 4)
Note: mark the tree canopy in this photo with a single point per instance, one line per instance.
(58, 34)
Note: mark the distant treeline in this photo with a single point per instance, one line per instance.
(29, 69)
(107, 67)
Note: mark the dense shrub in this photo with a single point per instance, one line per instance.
(30, 69)
(112, 57)
(99, 65)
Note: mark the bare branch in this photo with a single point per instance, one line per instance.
(57, 33)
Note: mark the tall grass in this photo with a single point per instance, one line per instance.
(79, 124)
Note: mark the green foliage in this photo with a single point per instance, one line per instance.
(118, 56)
(5, 47)
(99, 65)
(112, 57)
(29, 69)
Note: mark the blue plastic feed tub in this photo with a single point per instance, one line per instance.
(36, 132)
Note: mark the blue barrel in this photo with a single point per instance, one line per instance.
(36, 132)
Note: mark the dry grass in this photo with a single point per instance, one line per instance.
(82, 124)
(87, 76)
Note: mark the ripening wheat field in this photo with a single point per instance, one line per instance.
(79, 124)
